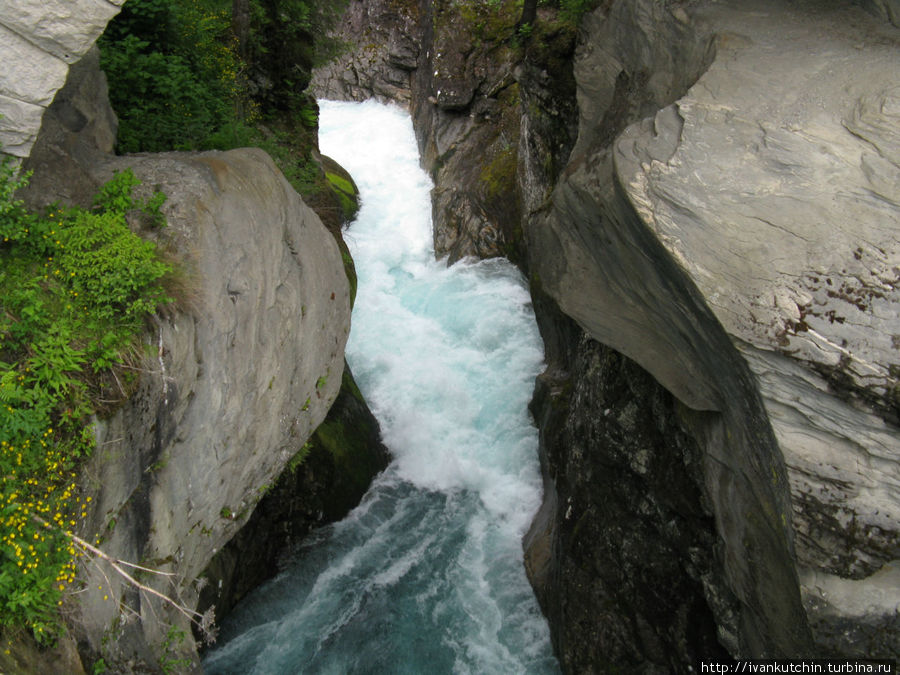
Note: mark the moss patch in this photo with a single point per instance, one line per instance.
(346, 193)
(349, 435)
(499, 174)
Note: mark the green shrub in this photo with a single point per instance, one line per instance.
(75, 289)
(173, 73)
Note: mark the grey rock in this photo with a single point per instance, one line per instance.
(889, 10)
(320, 486)
(78, 130)
(381, 52)
(242, 376)
(767, 201)
(19, 125)
(855, 617)
(38, 42)
(779, 196)
(619, 554)
(29, 74)
(64, 28)
(764, 192)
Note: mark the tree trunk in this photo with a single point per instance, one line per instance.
(240, 24)
(529, 14)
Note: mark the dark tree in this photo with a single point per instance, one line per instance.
(240, 24)
(529, 14)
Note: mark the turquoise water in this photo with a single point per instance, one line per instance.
(426, 575)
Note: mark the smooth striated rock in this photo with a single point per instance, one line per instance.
(29, 73)
(781, 207)
(842, 467)
(593, 254)
(235, 383)
(855, 617)
(18, 124)
(321, 485)
(775, 183)
(64, 28)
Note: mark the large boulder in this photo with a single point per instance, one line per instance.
(237, 380)
(775, 183)
(234, 377)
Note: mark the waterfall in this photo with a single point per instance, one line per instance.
(426, 575)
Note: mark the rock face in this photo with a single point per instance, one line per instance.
(384, 51)
(889, 10)
(240, 381)
(711, 240)
(39, 41)
(235, 379)
(463, 74)
(321, 485)
(782, 210)
(748, 196)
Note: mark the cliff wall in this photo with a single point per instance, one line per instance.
(703, 197)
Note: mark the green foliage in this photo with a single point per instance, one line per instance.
(179, 79)
(489, 20)
(498, 175)
(346, 193)
(573, 10)
(169, 660)
(173, 73)
(298, 459)
(294, 161)
(75, 288)
(287, 38)
(177, 82)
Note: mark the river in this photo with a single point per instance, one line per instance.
(426, 575)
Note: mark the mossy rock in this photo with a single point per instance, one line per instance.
(343, 187)
(351, 436)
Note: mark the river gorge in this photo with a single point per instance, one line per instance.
(426, 574)
(626, 311)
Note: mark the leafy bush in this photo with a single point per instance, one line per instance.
(173, 73)
(179, 77)
(75, 289)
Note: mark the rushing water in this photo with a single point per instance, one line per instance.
(426, 575)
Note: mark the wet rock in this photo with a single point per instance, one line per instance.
(759, 224)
